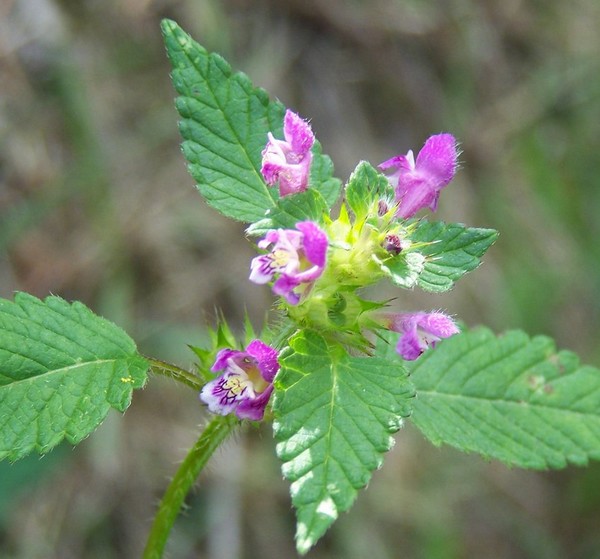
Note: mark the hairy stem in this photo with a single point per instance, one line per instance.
(175, 372)
(212, 436)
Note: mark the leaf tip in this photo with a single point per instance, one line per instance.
(168, 26)
(303, 542)
(324, 514)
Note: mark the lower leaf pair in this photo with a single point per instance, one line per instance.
(510, 398)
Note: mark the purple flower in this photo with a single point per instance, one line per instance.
(420, 331)
(246, 383)
(297, 257)
(418, 183)
(288, 161)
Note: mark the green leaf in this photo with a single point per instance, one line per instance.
(452, 251)
(321, 176)
(225, 124)
(307, 205)
(366, 185)
(404, 269)
(61, 369)
(225, 121)
(334, 416)
(509, 397)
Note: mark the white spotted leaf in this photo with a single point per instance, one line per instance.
(334, 419)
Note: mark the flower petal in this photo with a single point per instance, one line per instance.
(437, 160)
(297, 257)
(298, 133)
(241, 389)
(284, 287)
(438, 324)
(261, 269)
(420, 331)
(224, 394)
(293, 178)
(404, 162)
(409, 346)
(288, 161)
(314, 241)
(254, 409)
(222, 359)
(417, 184)
(266, 356)
(417, 195)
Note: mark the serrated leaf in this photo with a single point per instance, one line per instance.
(403, 270)
(452, 251)
(334, 416)
(366, 185)
(225, 121)
(61, 369)
(225, 124)
(321, 176)
(307, 205)
(510, 397)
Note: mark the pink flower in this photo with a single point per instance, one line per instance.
(420, 331)
(296, 257)
(246, 383)
(418, 183)
(288, 161)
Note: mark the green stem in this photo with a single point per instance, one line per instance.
(175, 372)
(214, 434)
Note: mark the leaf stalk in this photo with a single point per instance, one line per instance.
(177, 373)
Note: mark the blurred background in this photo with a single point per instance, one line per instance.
(96, 205)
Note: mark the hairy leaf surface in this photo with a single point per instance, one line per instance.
(61, 369)
(365, 186)
(308, 205)
(509, 397)
(334, 417)
(451, 250)
(225, 121)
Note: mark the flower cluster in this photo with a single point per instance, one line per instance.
(317, 268)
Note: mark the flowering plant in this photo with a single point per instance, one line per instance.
(337, 372)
